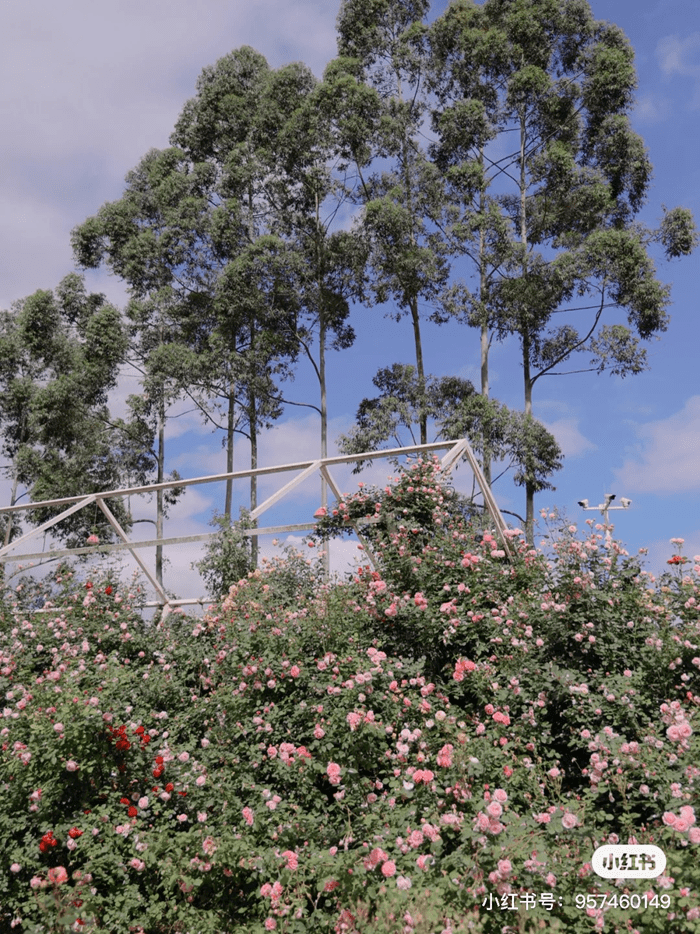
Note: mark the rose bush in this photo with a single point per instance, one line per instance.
(421, 748)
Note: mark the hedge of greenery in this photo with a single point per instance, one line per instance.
(435, 746)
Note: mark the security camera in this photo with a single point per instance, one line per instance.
(626, 502)
(583, 503)
(609, 497)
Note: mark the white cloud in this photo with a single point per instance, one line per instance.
(668, 457)
(653, 108)
(569, 437)
(675, 54)
(681, 56)
(88, 88)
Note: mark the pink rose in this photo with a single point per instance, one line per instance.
(58, 875)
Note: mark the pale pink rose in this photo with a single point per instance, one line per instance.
(138, 864)
(36, 882)
(184, 757)
(500, 795)
(202, 816)
(494, 809)
(295, 671)
(201, 780)
(688, 814)
(209, 846)
(354, 719)
(58, 727)
(182, 818)
(389, 868)
(694, 834)
(320, 512)
(504, 866)
(550, 879)
(669, 818)
(403, 882)
(542, 818)
(333, 773)
(143, 802)
(205, 743)
(248, 816)
(292, 859)
(569, 821)
(71, 765)
(15, 867)
(444, 757)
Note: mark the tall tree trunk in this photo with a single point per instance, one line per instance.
(486, 457)
(159, 493)
(230, 424)
(253, 426)
(8, 527)
(420, 369)
(525, 335)
(13, 500)
(322, 378)
(413, 299)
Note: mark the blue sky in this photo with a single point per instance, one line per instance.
(88, 88)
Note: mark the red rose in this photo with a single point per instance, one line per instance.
(124, 801)
(169, 787)
(160, 760)
(132, 812)
(47, 840)
(75, 833)
(108, 590)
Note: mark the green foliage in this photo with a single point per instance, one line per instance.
(514, 439)
(61, 351)
(228, 556)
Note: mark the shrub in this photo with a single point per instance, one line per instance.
(301, 760)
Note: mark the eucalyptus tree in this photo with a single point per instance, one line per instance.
(532, 115)
(456, 410)
(164, 238)
(377, 83)
(275, 159)
(60, 352)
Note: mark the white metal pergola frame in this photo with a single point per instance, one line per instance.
(457, 449)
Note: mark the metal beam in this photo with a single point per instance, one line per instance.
(457, 449)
